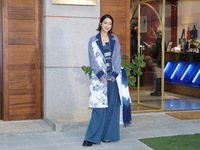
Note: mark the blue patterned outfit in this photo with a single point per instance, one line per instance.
(105, 61)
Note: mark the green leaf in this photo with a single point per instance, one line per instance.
(139, 73)
(126, 55)
(141, 57)
(132, 80)
(84, 68)
(131, 65)
(87, 70)
(128, 70)
(143, 64)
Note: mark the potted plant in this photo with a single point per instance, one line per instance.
(133, 68)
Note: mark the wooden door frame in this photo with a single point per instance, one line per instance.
(41, 61)
(1, 69)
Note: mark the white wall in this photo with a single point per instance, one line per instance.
(67, 29)
(188, 14)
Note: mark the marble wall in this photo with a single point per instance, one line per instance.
(67, 29)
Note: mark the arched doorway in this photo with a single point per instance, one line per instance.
(151, 32)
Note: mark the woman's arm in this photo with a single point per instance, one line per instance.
(116, 58)
(98, 71)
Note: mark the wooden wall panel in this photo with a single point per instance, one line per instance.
(120, 11)
(22, 60)
(22, 9)
(19, 82)
(21, 54)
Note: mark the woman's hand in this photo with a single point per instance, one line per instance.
(112, 79)
(103, 80)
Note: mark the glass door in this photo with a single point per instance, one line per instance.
(150, 29)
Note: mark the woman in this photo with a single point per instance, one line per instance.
(154, 61)
(105, 61)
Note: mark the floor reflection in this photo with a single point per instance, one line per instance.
(181, 104)
(172, 102)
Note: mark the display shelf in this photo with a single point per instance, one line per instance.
(186, 57)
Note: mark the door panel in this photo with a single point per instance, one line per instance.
(21, 54)
(21, 64)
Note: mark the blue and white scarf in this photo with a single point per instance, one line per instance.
(125, 97)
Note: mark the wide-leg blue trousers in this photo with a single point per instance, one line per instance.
(104, 122)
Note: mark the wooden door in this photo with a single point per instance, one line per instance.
(22, 83)
(120, 11)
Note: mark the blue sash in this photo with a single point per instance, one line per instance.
(126, 101)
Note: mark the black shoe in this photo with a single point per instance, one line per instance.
(158, 88)
(87, 143)
(106, 141)
(157, 93)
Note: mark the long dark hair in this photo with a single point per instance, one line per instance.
(102, 19)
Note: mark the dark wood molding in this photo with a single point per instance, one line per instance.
(1, 68)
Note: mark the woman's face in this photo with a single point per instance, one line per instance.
(106, 25)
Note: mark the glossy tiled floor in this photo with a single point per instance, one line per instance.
(172, 102)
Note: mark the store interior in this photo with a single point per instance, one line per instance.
(171, 77)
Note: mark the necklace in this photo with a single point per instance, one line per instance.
(105, 39)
